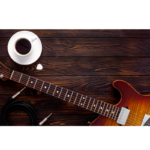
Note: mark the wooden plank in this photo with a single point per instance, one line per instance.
(80, 66)
(81, 33)
(136, 47)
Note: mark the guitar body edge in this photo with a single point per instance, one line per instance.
(138, 104)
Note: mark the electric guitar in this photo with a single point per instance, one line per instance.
(132, 110)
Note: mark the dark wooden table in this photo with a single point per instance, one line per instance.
(86, 61)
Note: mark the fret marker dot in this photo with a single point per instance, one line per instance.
(45, 87)
(57, 91)
(81, 103)
(31, 81)
(101, 107)
(107, 109)
(94, 105)
(68, 95)
(83, 97)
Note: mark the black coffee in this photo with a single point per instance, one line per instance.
(23, 46)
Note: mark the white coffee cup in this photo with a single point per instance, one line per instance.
(30, 39)
(32, 55)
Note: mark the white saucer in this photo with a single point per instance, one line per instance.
(29, 59)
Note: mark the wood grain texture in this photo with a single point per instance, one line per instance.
(90, 47)
(81, 33)
(86, 61)
(85, 66)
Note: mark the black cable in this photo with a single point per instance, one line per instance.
(12, 105)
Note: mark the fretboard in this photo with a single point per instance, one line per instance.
(81, 100)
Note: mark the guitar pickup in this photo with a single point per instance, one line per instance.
(123, 116)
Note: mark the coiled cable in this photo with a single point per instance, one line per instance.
(12, 105)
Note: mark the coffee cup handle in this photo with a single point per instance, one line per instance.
(34, 38)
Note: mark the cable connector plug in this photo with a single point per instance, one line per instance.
(15, 95)
(45, 119)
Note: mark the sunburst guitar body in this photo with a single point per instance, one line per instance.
(139, 106)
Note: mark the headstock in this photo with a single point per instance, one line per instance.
(4, 72)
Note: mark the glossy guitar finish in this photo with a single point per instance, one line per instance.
(138, 104)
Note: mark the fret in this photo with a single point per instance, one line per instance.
(38, 84)
(88, 103)
(63, 93)
(42, 86)
(11, 74)
(57, 91)
(114, 112)
(75, 98)
(102, 107)
(71, 96)
(45, 87)
(34, 83)
(51, 89)
(20, 78)
(110, 112)
(60, 92)
(93, 105)
(66, 94)
(24, 79)
(54, 90)
(84, 100)
(16, 76)
(106, 109)
(28, 80)
(96, 106)
(48, 88)
(117, 113)
(80, 101)
(31, 82)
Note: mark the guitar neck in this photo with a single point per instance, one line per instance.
(81, 100)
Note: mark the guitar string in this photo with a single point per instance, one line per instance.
(39, 86)
(60, 87)
(77, 103)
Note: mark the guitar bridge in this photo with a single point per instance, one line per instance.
(123, 116)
